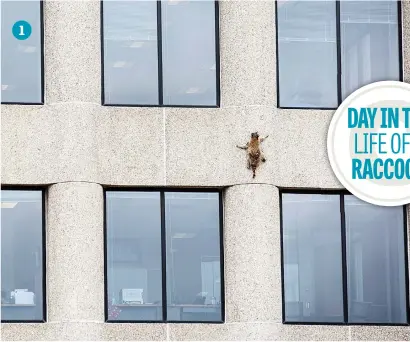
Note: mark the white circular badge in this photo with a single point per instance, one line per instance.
(368, 143)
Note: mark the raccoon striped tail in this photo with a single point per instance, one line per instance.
(254, 171)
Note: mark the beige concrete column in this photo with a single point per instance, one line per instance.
(252, 254)
(72, 51)
(75, 257)
(248, 53)
(405, 8)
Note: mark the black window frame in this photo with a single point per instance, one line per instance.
(342, 193)
(43, 241)
(164, 303)
(160, 64)
(42, 85)
(339, 55)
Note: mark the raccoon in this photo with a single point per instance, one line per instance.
(254, 152)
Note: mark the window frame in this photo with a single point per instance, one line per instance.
(42, 82)
(43, 242)
(339, 55)
(164, 303)
(160, 64)
(342, 193)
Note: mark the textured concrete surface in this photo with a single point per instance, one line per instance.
(132, 332)
(243, 331)
(48, 144)
(75, 253)
(248, 53)
(130, 146)
(72, 51)
(74, 139)
(224, 332)
(252, 254)
(155, 146)
(314, 333)
(84, 331)
(405, 6)
(257, 331)
(300, 149)
(368, 333)
(26, 331)
(254, 331)
(201, 145)
(82, 142)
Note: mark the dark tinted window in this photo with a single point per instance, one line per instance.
(134, 272)
(188, 45)
(370, 43)
(375, 263)
(138, 226)
(307, 53)
(312, 258)
(193, 256)
(310, 37)
(22, 275)
(329, 240)
(21, 71)
(130, 52)
(160, 53)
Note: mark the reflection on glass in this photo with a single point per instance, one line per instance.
(307, 53)
(21, 71)
(369, 38)
(188, 45)
(21, 256)
(134, 278)
(193, 256)
(312, 258)
(130, 52)
(375, 262)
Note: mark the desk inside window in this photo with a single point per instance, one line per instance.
(137, 305)
(175, 312)
(17, 305)
(22, 312)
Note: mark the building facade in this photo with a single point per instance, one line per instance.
(79, 153)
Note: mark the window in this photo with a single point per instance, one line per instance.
(344, 45)
(161, 53)
(163, 256)
(307, 53)
(369, 43)
(344, 260)
(22, 256)
(21, 60)
(312, 257)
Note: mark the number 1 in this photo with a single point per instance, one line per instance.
(21, 30)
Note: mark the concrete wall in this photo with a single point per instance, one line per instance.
(77, 146)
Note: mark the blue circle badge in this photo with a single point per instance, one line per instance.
(369, 143)
(21, 30)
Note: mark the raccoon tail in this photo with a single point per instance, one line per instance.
(254, 171)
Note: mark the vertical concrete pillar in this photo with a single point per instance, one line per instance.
(72, 51)
(75, 255)
(248, 53)
(405, 9)
(252, 254)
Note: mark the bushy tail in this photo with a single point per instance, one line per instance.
(254, 171)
